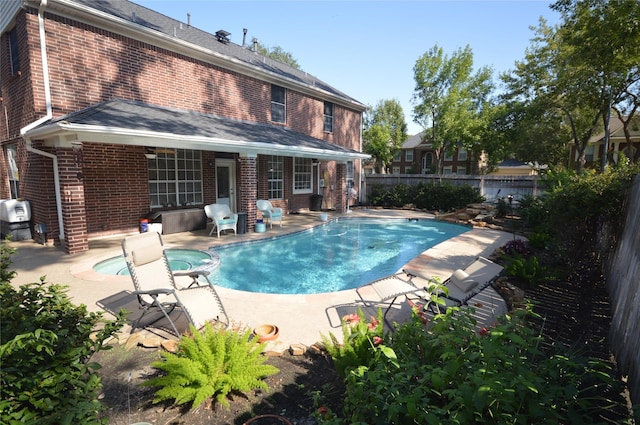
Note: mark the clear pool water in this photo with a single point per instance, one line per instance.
(339, 255)
(179, 259)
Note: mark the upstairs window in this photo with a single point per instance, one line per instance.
(328, 117)
(278, 104)
(397, 157)
(14, 54)
(408, 156)
(462, 154)
(302, 175)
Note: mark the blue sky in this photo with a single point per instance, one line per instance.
(367, 49)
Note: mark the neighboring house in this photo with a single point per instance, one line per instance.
(513, 167)
(617, 143)
(418, 157)
(112, 111)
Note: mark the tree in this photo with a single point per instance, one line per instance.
(384, 133)
(575, 72)
(605, 36)
(279, 54)
(452, 101)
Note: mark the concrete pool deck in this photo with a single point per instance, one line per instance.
(301, 318)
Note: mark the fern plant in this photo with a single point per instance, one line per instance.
(211, 363)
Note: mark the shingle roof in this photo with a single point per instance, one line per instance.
(153, 20)
(118, 115)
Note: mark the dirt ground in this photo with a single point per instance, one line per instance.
(291, 392)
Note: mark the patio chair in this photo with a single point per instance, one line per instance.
(269, 212)
(158, 289)
(222, 218)
(465, 283)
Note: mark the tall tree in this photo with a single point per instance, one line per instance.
(605, 36)
(575, 72)
(279, 54)
(451, 100)
(385, 130)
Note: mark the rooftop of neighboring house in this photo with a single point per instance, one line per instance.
(413, 141)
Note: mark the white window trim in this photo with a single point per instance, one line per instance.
(296, 174)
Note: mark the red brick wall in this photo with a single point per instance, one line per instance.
(88, 65)
(116, 187)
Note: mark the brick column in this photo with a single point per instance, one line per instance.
(74, 217)
(248, 189)
(341, 187)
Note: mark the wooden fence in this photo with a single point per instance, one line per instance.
(623, 283)
(491, 187)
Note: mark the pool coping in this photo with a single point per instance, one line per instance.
(301, 318)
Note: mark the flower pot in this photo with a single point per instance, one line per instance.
(266, 332)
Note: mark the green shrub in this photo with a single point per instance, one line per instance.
(451, 373)
(539, 240)
(45, 346)
(529, 270)
(359, 341)
(433, 197)
(211, 363)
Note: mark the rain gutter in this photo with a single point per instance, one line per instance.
(48, 116)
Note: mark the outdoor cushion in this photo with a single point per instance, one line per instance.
(462, 280)
(144, 256)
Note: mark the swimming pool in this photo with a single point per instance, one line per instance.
(336, 256)
(179, 259)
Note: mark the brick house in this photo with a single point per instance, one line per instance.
(418, 157)
(113, 111)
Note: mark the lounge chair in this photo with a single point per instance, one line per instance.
(463, 284)
(222, 218)
(269, 212)
(390, 288)
(159, 289)
(458, 289)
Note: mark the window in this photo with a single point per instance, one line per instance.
(328, 117)
(447, 171)
(275, 177)
(278, 110)
(175, 178)
(461, 170)
(462, 154)
(397, 157)
(408, 156)
(395, 170)
(302, 175)
(448, 156)
(350, 174)
(589, 153)
(14, 178)
(14, 55)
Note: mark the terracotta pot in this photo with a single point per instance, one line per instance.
(266, 332)
(257, 420)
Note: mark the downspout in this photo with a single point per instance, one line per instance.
(48, 116)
